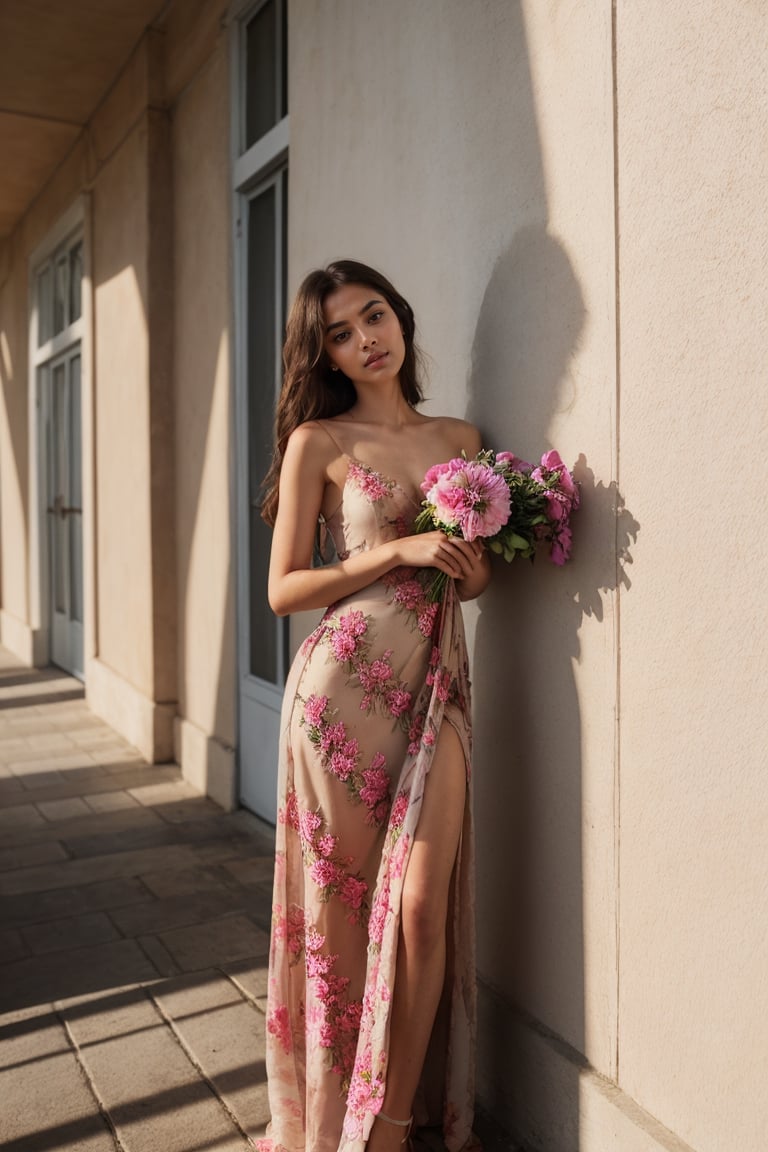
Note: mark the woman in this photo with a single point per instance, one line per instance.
(372, 955)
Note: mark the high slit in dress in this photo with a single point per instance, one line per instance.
(364, 702)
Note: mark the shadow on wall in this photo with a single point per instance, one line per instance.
(527, 717)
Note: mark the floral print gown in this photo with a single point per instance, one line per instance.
(364, 702)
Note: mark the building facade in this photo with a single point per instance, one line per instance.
(571, 195)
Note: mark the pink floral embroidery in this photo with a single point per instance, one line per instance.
(328, 870)
(409, 593)
(341, 757)
(290, 928)
(339, 1017)
(279, 1024)
(372, 485)
(366, 1093)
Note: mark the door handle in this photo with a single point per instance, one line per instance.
(60, 509)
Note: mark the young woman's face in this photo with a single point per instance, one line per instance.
(363, 337)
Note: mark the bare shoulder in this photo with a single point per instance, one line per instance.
(310, 445)
(458, 434)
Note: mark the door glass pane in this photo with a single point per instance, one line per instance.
(75, 282)
(266, 97)
(74, 518)
(59, 486)
(262, 303)
(60, 294)
(44, 305)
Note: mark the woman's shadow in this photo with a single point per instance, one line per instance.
(533, 754)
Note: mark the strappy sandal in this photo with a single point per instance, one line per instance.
(407, 1124)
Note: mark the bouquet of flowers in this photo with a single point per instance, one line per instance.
(510, 505)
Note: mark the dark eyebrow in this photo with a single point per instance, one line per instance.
(363, 310)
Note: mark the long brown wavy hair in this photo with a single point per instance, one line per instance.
(310, 390)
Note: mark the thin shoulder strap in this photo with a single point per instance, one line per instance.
(323, 424)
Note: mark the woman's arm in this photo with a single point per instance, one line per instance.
(293, 584)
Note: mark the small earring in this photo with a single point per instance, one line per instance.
(334, 367)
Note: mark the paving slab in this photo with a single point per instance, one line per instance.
(21, 815)
(259, 870)
(45, 759)
(148, 1084)
(77, 872)
(177, 883)
(27, 855)
(12, 946)
(215, 943)
(110, 801)
(70, 932)
(35, 907)
(38, 979)
(47, 1104)
(148, 833)
(120, 883)
(251, 977)
(224, 1034)
(105, 822)
(179, 911)
(54, 810)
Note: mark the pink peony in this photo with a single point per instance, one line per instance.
(514, 463)
(437, 471)
(472, 498)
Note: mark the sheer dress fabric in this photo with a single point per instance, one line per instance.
(364, 703)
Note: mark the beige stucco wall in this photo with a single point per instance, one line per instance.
(202, 318)
(14, 437)
(693, 168)
(473, 153)
(121, 345)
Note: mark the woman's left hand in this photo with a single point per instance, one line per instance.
(476, 579)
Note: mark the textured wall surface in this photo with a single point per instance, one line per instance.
(203, 304)
(571, 196)
(122, 414)
(693, 121)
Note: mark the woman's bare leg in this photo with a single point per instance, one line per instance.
(421, 948)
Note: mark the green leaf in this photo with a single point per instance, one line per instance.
(518, 542)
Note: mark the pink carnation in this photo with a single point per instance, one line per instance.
(353, 623)
(353, 891)
(309, 822)
(344, 646)
(326, 845)
(398, 701)
(471, 497)
(314, 707)
(325, 872)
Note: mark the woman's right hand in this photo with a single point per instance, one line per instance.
(450, 554)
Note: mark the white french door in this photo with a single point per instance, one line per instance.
(59, 381)
(56, 336)
(263, 637)
(260, 182)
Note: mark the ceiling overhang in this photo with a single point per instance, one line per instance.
(58, 59)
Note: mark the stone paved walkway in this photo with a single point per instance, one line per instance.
(134, 922)
(134, 932)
